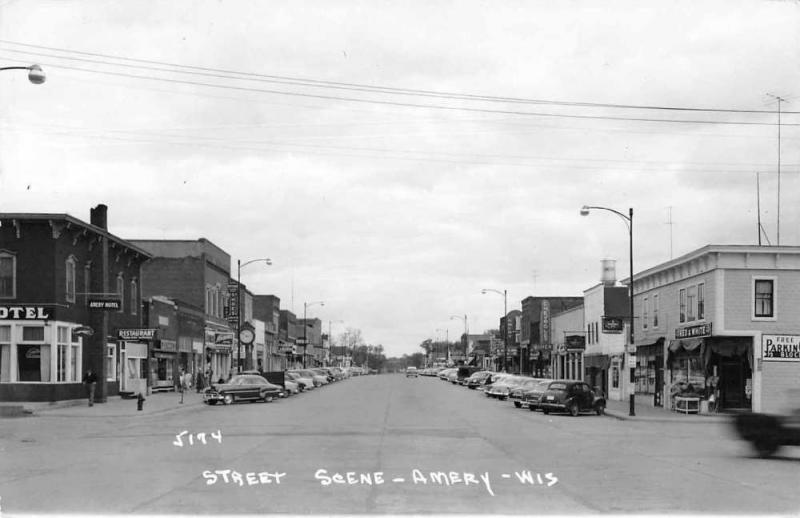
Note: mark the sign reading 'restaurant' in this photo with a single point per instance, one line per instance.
(24, 313)
(780, 348)
(136, 334)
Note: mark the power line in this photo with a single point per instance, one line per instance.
(226, 74)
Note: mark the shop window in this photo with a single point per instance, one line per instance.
(615, 376)
(111, 362)
(70, 276)
(8, 275)
(5, 354)
(764, 290)
(682, 305)
(74, 362)
(62, 353)
(121, 292)
(33, 358)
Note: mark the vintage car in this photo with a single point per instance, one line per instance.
(517, 393)
(411, 372)
(503, 385)
(533, 396)
(243, 387)
(768, 432)
(478, 379)
(571, 396)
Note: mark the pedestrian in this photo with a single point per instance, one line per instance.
(181, 383)
(200, 382)
(90, 382)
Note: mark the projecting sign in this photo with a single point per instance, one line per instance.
(24, 313)
(780, 348)
(136, 334)
(105, 304)
(575, 342)
(613, 325)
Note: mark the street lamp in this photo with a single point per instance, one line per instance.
(305, 327)
(466, 333)
(504, 293)
(629, 223)
(239, 266)
(35, 73)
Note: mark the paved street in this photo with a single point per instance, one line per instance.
(438, 448)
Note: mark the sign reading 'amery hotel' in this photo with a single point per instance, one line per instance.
(784, 348)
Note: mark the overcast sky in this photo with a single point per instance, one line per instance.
(394, 158)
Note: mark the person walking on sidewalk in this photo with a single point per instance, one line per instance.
(90, 382)
(200, 381)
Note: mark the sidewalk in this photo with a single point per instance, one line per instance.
(115, 406)
(646, 412)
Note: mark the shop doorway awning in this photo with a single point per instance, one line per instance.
(687, 344)
(597, 361)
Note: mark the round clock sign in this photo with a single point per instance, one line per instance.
(246, 336)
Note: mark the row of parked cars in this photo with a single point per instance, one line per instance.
(253, 385)
(548, 395)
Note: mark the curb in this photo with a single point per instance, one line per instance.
(665, 419)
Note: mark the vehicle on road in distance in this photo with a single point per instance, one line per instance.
(242, 387)
(571, 396)
(768, 432)
(411, 372)
(517, 393)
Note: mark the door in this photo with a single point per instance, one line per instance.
(659, 381)
(731, 385)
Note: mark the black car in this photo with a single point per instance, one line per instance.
(571, 396)
(768, 432)
(244, 387)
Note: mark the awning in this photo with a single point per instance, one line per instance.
(687, 344)
(598, 361)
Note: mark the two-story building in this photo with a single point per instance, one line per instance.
(67, 290)
(536, 331)
(267, 308)
(569, 343)
(724, 318)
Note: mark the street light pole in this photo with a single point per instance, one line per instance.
(504, 293)
(35, 73)
(305, 327)
(629, 223)
(239, 305)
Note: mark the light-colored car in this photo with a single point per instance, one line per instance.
(502, 388)
(303, 382)
(319, 380)
(528, 391)
(411, 372)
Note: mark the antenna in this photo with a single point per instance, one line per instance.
(758, 203)
(780, 100)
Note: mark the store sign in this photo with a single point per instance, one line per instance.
(546, 322)
(105, 304)
(780, 348)
(24, 313)
(613, 325)
(223, 339)
(693, 331)
(575, 342)
(168, 345)
(136, 334)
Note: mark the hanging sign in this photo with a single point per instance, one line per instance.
(105, 304)
(613, 325)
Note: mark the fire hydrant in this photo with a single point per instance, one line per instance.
(139, 402)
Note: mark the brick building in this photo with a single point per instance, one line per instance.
(267, 308)
(68, 290)
(536, 342)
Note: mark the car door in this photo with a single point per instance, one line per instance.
(586, 397)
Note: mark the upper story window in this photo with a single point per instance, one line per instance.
(655, 310)
(8, 275)
(87, 281)
(208, 300)
(764, 298)
(70, 276)
(121, 292)
(133, 294)
(691, 303)
(645, 316)
(682, 305)
(701, 301)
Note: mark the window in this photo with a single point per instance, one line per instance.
(134, 301)
(121, 291)
(691, 303)
(655, 310)
(701, 302)
(62, 353)
(682, 299)
(111, 362)
(87, 281)
(615, 376)
(33, 357)
(8, 272)
(5, 354)
(589, 332)
(70, 276)
(645, 315)
(764, 298)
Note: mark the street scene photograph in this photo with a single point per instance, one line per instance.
(383, 258)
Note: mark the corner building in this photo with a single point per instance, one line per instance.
(724, 318)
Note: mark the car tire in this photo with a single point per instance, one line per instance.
(229, 399)
(211, 402)
(600, 409)
(573, 409)
(765, 446)
(517, 404)
(531, 408)
(546, 411)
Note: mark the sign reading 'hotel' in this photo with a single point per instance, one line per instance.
(781, 348)
(24, 313)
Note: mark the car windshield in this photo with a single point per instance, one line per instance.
(558, 386)
(237, 380)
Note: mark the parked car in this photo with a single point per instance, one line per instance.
(318, 379)
(518, 392)
(242, 387)
(464, 372)
(452, 376)
(411, 372)
(571, 396)
(533, 396)
(303, 382)
(444, 373)
(277, 378)
(502, 388)
(768, 432)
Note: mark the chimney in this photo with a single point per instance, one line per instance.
(98, 216)
(609, 273)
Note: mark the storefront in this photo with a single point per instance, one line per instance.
(164, 365)
(596, 370)
(649, 372)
